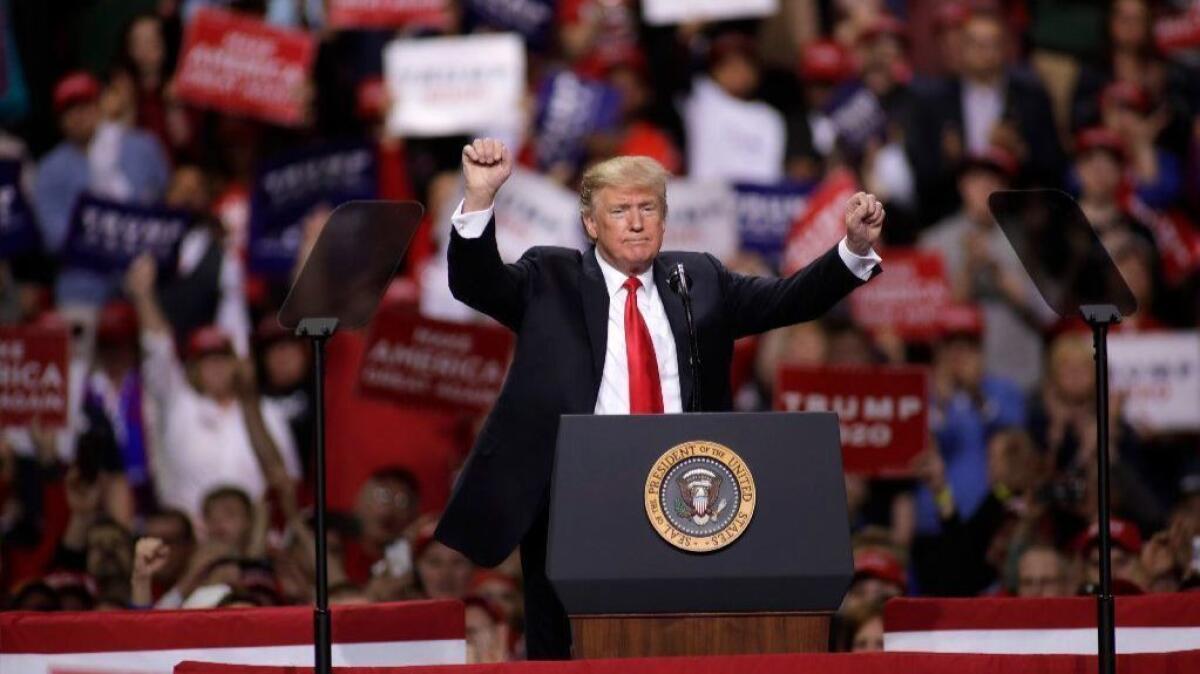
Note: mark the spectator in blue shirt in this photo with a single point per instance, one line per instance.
(969, 407)
(107, 159)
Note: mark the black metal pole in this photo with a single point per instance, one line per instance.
(322, 642)
(319, 330)
(1100, 318)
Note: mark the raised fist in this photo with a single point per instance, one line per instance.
(486, 165)
(864, 222)
(149, 557)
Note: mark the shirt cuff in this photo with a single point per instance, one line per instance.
(859, 265)
(471, 225)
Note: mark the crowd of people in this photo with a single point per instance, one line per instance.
(183, 475)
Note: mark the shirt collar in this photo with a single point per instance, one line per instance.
(614, 279)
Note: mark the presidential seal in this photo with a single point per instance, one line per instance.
(700, 496)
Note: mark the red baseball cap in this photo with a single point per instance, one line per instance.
(879, 564)
(1100, 138)
(884, 25)
(1123, 533)
(960, 319)
(825, 61)
(74, 88)
(117, 323)
(1126, 94)
(209, 340)
(994, 158)
(951, 14)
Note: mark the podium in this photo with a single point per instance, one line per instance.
(699, 534)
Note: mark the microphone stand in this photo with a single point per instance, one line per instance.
(681, 284)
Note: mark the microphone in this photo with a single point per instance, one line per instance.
(681, 284)
(679, 281)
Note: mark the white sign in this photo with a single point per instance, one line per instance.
(448, 85)
(531, 210)
(702, 216)
(731, 139)
(1159, 373)
(662, 12)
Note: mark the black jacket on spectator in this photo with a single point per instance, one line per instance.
(1026, 106)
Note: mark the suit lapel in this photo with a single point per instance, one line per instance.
(594, 298)
(678, 321)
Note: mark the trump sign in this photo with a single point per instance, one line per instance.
(883, 411)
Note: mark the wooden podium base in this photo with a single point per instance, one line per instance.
(637, 636)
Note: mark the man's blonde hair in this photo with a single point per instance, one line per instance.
(623, 171)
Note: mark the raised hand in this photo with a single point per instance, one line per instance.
(487, 163)
(140, 277)
(864, 222)
(149, 557)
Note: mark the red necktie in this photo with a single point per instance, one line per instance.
(645, 388)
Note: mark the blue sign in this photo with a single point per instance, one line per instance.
(533, 19)
(18, 228)
(570, 108)
(105, 236)
(857, 116)
(765, 214)
(288, 187)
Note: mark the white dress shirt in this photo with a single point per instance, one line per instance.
(613, 397)
(982, 107)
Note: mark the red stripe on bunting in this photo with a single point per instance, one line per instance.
(1186, 662)
(998, 613)
(105, 632)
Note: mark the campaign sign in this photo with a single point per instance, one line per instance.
(821, 224)
(105, 236)
(702, 217)
(857, 116)
(1158, 376)
(350, 14)
(446, 85)
(33, 375)
(18, 229)
(883, 411)
(533, 19)
(665, 12)
(765, 214)
(420, 362)
(570, 108)
(288, 187)
(912, 300)
(1178, 32)
(235, 63)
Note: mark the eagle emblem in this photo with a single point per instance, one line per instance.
(700, 496)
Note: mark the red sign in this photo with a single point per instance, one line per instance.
(386, 13)
(33, 375)
(238, 64)
(420, 362)
(821, 225)
(909, 297)
(883, 411)
(1179, 32)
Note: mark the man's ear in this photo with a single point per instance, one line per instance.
(589, 226)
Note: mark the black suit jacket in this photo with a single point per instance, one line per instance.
(556, 302)
(1026, 106)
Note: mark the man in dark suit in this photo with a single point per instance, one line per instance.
(600, 332)
(988, 104)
